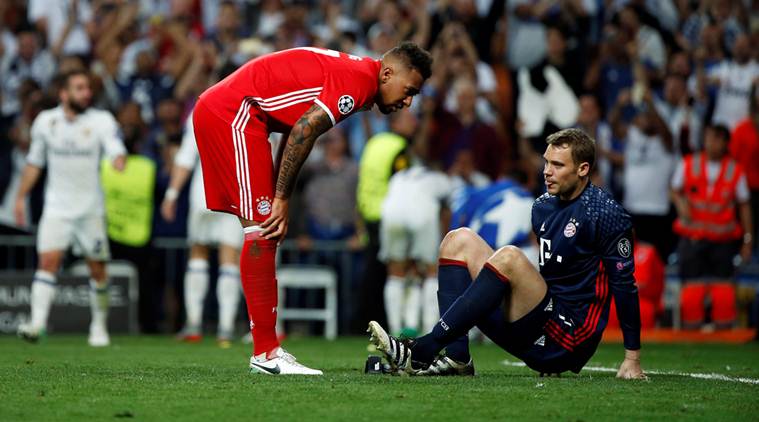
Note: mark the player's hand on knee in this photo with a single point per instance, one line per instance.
(630, 369)
(275, 227)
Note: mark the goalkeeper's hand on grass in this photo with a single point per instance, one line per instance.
(630, 368)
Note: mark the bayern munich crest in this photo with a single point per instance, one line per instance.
(570, 229)
(345, 104)
(263, 205)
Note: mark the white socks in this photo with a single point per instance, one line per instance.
(228, 294)
(42, 295)
(393, 294)
(99, 300)
(413, 306)
(430, 310)
(195, 289)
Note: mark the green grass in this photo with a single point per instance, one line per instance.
(155, 378)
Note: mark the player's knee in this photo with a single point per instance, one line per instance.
(507, 258)
(456, 241)
(97, 271)
(49, 263)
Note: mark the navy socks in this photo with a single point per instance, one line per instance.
(479, 300)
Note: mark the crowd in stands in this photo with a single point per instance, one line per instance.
(645, 78)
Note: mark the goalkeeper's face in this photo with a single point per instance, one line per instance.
(562, 175)
(397, 86)
(77, 94)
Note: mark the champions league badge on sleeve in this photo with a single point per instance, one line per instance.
(345, 104)
(624, 247)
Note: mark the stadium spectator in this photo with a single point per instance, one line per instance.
(329, 196)
(648, 166)
(70, 140)
(733, 79)
(714, 222)
(683, 118)
(66, 24)
(610, 160)
(30, 62)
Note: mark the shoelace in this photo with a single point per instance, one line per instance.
(290, 359)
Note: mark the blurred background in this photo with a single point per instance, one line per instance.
(647, 79)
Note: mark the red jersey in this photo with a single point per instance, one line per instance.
(284, 84)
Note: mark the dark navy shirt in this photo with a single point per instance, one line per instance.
(586, 255)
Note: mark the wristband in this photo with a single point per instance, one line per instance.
(171, 194)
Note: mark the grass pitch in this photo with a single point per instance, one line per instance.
(156, 378)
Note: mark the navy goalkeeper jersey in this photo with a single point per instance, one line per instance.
(586, 256)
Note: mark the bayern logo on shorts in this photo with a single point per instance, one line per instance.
(263, 205)
(345, 104)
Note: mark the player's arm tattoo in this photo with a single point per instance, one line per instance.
(313, 123)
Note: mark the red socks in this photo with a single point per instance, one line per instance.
(260, 287)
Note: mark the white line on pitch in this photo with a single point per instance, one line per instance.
(711, 376)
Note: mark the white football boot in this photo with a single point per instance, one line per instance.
(282, 363)
(445, 366)
(98, 336)
(396, 351)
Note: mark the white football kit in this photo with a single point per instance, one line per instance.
(74, 213)
(204, 227)
(410, 224)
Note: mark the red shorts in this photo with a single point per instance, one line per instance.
(236, 159)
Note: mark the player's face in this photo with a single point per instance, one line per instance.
(398, 85)
(562, 175)
(77, 94)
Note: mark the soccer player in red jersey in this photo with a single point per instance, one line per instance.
(301, 93)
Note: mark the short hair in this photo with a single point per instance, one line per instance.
(414, 57)
(583, 146)
(721, 131)
(65, 77)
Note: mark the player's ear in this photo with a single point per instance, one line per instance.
(386, 73)
(583, 169)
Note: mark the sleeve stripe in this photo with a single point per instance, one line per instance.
(329, 112)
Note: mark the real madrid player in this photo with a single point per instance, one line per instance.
(300, 92)
(204, 230)
(70, 141)
(552, 319)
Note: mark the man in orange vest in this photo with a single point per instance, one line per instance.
(708, 188)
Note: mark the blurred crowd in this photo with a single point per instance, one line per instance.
(645, 78)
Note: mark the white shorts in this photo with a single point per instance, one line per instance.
(399, 242)
(206, 227)
(87, 235)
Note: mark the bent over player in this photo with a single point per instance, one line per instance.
(301, 93)
(70, 140)
(552, 319)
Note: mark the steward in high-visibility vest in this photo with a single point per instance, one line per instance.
(383, 156)
(712, 211)
(129, 200)
(710, 192)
